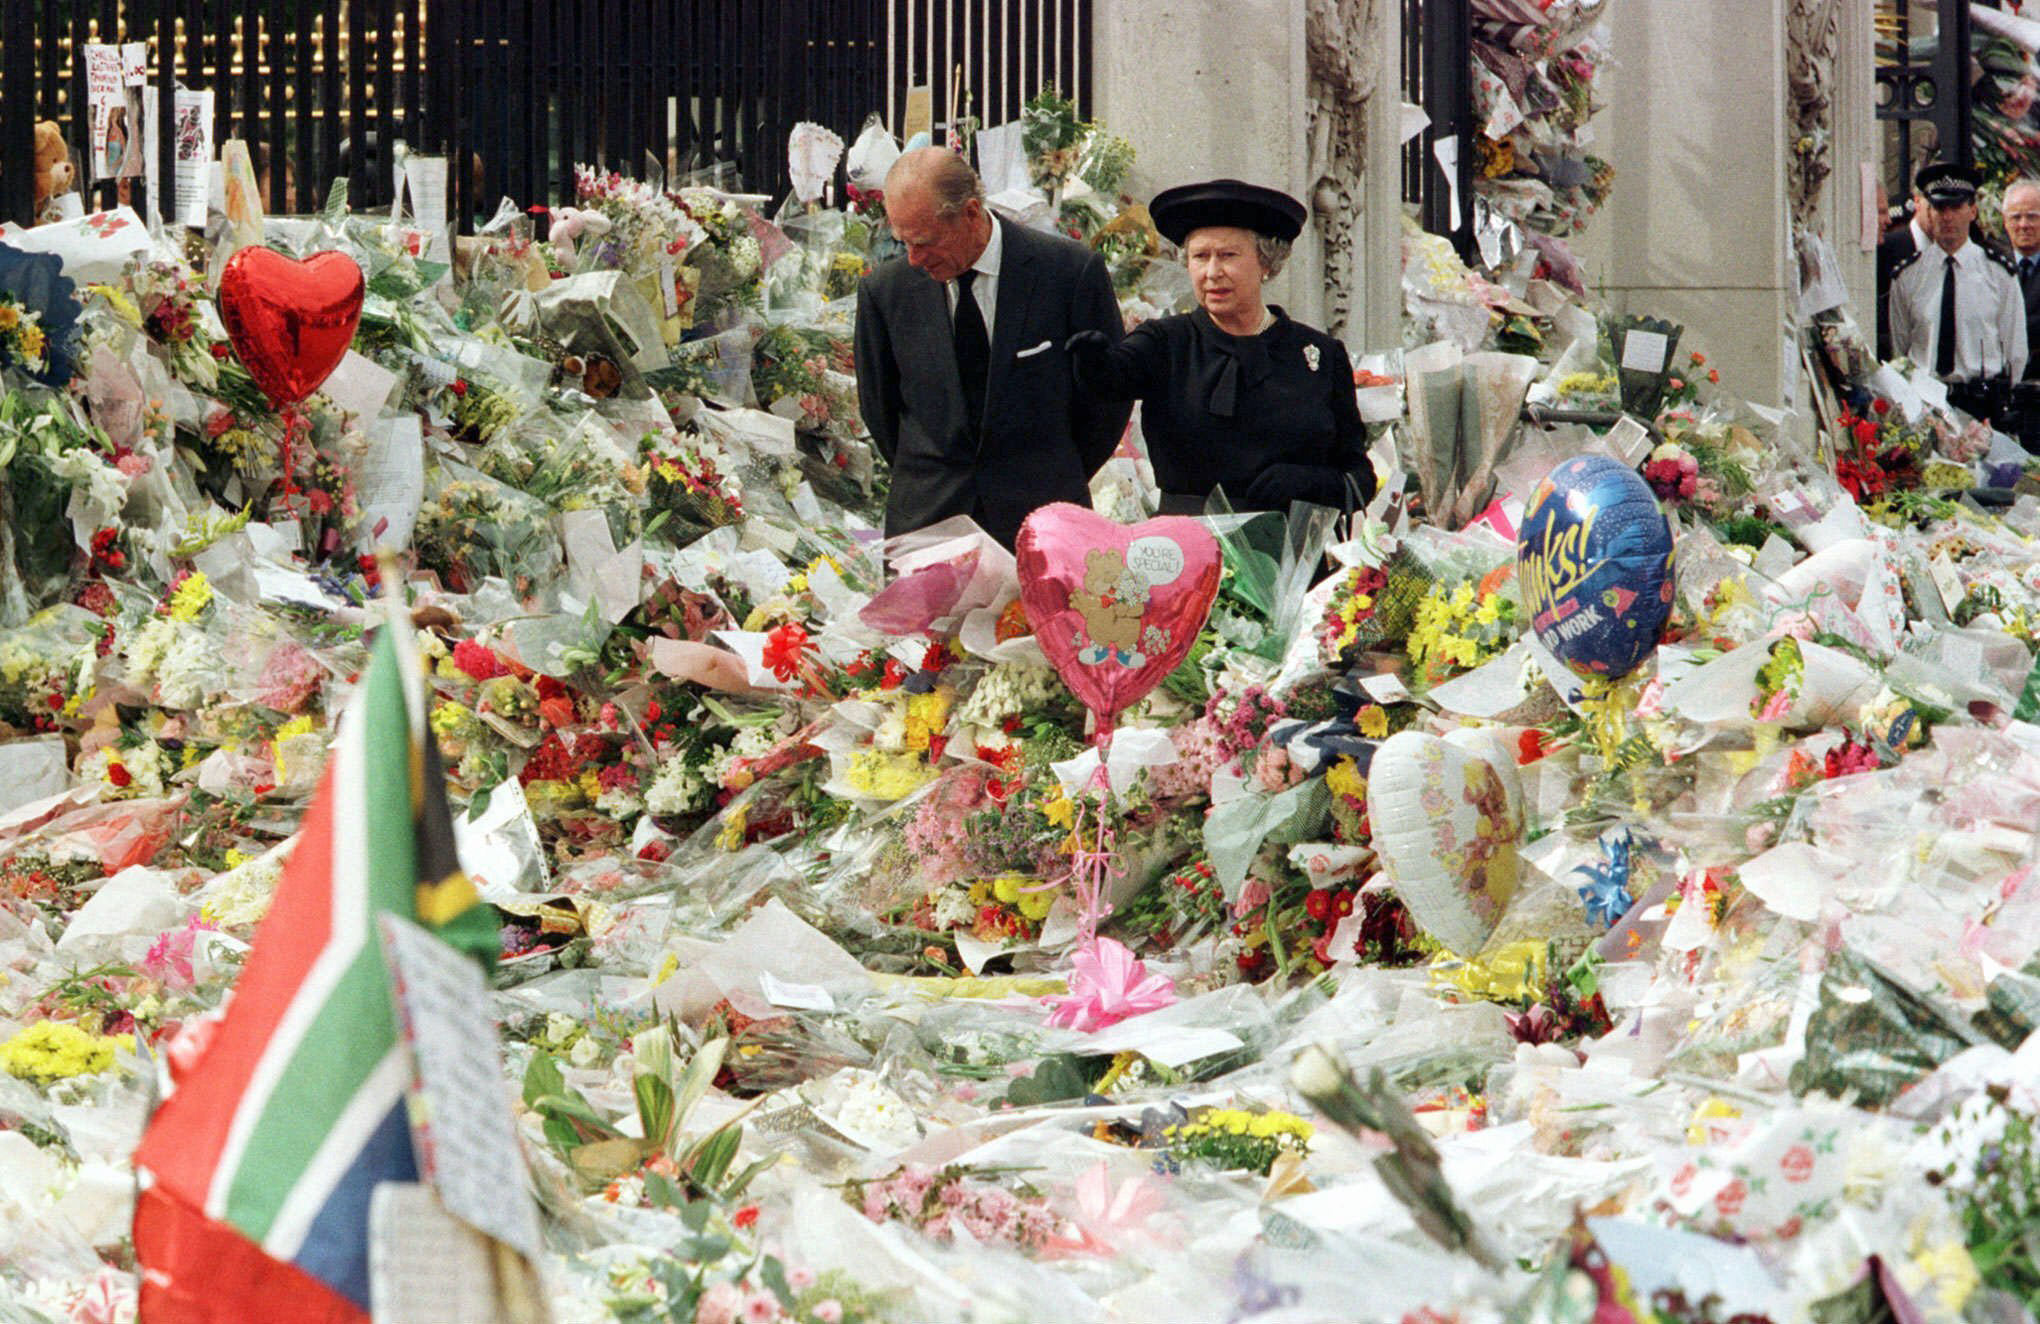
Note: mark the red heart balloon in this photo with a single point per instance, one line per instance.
(1115, 608)
(291, 322)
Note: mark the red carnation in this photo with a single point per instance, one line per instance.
(118, 774)
(477, 659)
(785, 649)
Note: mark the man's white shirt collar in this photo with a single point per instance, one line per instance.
(987, 263)
(1966, 256)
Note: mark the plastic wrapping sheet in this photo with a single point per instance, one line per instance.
(1871, 1034)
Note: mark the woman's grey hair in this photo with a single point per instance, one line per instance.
(1273, 253)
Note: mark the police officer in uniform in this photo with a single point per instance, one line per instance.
(1956, 306)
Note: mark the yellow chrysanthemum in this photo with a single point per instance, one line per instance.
(731, 837)
(49, 1051)
(1344, 780)
(193, 596)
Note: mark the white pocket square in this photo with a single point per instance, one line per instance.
(1030, 353)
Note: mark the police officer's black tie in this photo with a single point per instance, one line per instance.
(973, 351)
(1944, 339)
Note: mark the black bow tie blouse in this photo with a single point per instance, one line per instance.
(1270, 418)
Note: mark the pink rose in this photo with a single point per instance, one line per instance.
(719, 1304)
(1797, 1163)
(828, 1312)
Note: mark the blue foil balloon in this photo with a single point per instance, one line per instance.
(1594, 559)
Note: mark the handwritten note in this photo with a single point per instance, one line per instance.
(426, 176)
(461, 1124)
(360, 385)
(390, 483)
(1644, 351)
(425, 1265)
(1385, 687)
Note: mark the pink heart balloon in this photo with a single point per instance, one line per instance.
(1115, 608)
(291, 322)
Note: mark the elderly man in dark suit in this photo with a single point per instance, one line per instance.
(2022, 227)
(960, 363)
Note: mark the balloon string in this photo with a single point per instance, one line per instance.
(295, 426)
(1091, 866)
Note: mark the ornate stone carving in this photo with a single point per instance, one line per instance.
(1812, 44)
(1342, 44)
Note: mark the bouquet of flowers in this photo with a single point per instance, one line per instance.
(940, 1202)
(1459, 627)
(729, 258)
(689, 487)
(168, 294)
(1236, 1140)
(22, 343)
(804, 374)
(583, 471)
(473, 528)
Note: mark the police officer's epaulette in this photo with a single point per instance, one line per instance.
(1908, 260)
(2011, 266)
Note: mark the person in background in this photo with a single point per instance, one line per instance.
(1956, 307)
(1236, 394)
(961, 370)
(1903, 238)
(2022, 228)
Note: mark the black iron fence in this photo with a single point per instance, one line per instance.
(1923, 87)
(1437, 74)
(517, 92)
(985, 58)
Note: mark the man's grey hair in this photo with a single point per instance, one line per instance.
(2027, 185)
(1273, 253)
(950, 182)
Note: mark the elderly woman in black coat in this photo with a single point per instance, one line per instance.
(1236, 394)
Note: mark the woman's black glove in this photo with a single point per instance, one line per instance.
(1279, 484)
(1087, 347)
(1090, 354)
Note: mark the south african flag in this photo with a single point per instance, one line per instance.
(258, 1167)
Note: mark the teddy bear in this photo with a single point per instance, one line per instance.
(54, 174)
(1111, 603)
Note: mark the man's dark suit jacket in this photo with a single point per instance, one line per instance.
(2030, 287)
(1892, 252)
(1041, 439)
